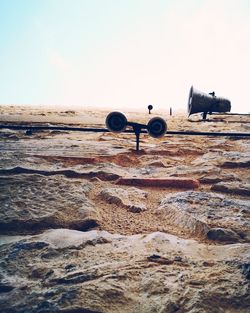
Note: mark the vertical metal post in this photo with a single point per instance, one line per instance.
(137, 130)
(204, 116)
(150, 107)
(137, 141)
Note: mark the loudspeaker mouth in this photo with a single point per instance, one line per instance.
(200, 102)
(116, 122)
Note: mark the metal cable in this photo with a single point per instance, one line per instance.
(103, 130)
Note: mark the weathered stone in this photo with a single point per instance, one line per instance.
(183, 220)
(101, 171)
(221, 234)
(129, 198)
(186, 183)
(194, 171)
(157, 164)
(121, 274)
(210, 159)
(68, 238)
(5, 288)
(236, 159)
(220, 177)
(232, 187)
(68, 271)
(224, 159)
(33, 202)
(245, 268)
(204, 210)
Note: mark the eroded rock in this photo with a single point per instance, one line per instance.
(121, 274)
(234, 159)
(230, 159)
(186, 183)
(183, 220)
(221, 234)
(232, 187)
(220, 177)
(33, 202)
(69, 238)
(130, 198)
(199, 211)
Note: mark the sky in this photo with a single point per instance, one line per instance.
(123, 53)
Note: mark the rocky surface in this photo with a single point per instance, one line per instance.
(30, 203)
(131, 199)
(73, 240)
(198, 212)
(72, 271)
(233, 188)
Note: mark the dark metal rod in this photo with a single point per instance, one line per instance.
(103, 130)
(37, 128)
(137, 141)
(193, 133)
(225, 113)
(61, 128)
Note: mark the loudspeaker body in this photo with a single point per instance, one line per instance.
(117, 122)
(199, 102)
(157, 127)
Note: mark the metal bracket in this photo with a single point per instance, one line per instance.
(137, 128)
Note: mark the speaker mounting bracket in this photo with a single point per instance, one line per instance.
(117, 122)
(137, 128)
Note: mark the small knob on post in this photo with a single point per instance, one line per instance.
(150, 107)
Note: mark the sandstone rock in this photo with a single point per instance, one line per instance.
(208, 159)
(157, 164)
(129, 198)
(186, 183)
(101, 171)
(183, 220)
(221, 234)
(33, 202)
(245, 268)
(121, 274)
(197, 171)
(210, 209)
(224, 159)
(69, 271)
(232, 187)
(236, 159)
(69, 238)
(220, 177)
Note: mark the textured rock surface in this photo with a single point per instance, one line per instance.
(141, 273)
(233, 187)
(236, 159)
(160, 182)
(130, 198)
(34, 202)
(222, 234)
(187, 252)
(224, 159)
(197, 212)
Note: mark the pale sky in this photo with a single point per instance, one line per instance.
(124, 53)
